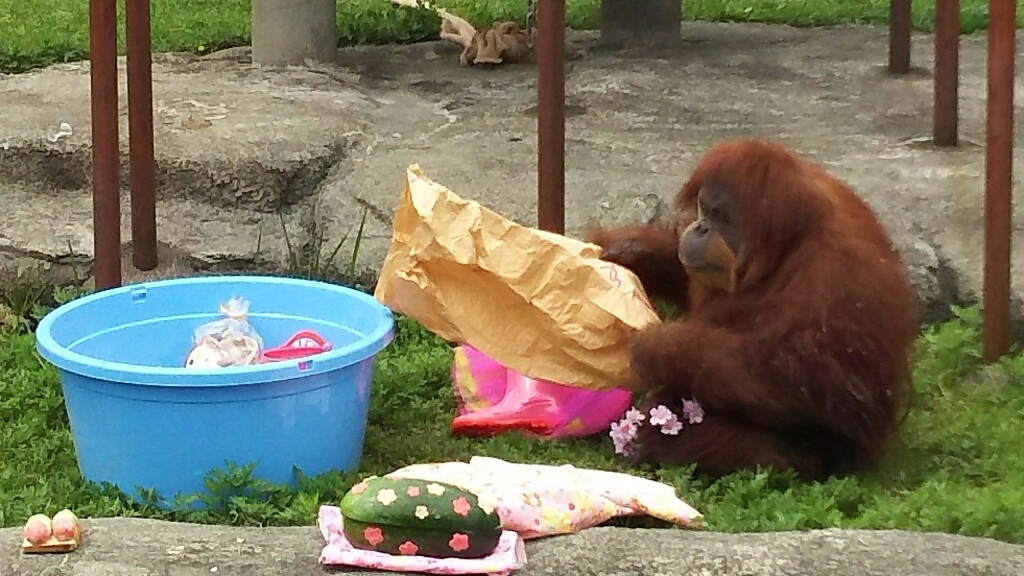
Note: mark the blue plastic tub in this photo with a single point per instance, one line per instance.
(139, 419)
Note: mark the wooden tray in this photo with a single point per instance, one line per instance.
(53, 546)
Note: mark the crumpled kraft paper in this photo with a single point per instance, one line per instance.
(540, 303)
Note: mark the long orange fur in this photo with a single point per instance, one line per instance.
(806, 365)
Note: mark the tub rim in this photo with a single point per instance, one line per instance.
(181, 377)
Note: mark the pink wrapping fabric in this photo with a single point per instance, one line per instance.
(509, 555)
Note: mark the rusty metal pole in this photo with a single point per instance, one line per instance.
(899, 36)
(998, 178)
(551, 115)
(946, 75)
(106, 202)
(140, 134)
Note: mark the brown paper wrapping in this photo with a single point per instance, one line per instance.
(540, 303)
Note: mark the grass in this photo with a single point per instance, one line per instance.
(36, 33)
(957, 468)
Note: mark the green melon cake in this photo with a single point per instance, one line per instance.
(418, 517)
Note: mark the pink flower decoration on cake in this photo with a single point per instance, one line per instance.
(412, 491)
(461, 506)
(459, 542)
(408, 548)
(373, 535)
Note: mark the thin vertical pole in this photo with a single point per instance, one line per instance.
(998, 177)
(140, 134)
(946, 79)
(899, 36)
(106, 204)
(551, 115)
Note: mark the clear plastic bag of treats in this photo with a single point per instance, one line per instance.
(229, 341)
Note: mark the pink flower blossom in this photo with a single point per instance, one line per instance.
(623, 433)
(624, 427)
(661, 415)
(693, 412)
(672, 427)
(634, 417)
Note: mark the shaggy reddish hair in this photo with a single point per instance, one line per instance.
(802, 359)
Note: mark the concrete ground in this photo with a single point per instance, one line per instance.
(245, 153)
(136, 547)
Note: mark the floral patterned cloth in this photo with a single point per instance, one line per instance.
(539, 500)
(509, 555)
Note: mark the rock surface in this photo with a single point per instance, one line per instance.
(255, 164)
(134, 547)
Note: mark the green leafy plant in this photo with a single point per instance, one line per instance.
(23, 293)
(308, 260)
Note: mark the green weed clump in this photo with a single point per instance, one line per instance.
(36, 33)
(956, 469)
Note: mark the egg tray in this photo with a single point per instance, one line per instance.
(53, 545)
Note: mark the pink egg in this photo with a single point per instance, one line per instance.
(38, 529)
(64, 525)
